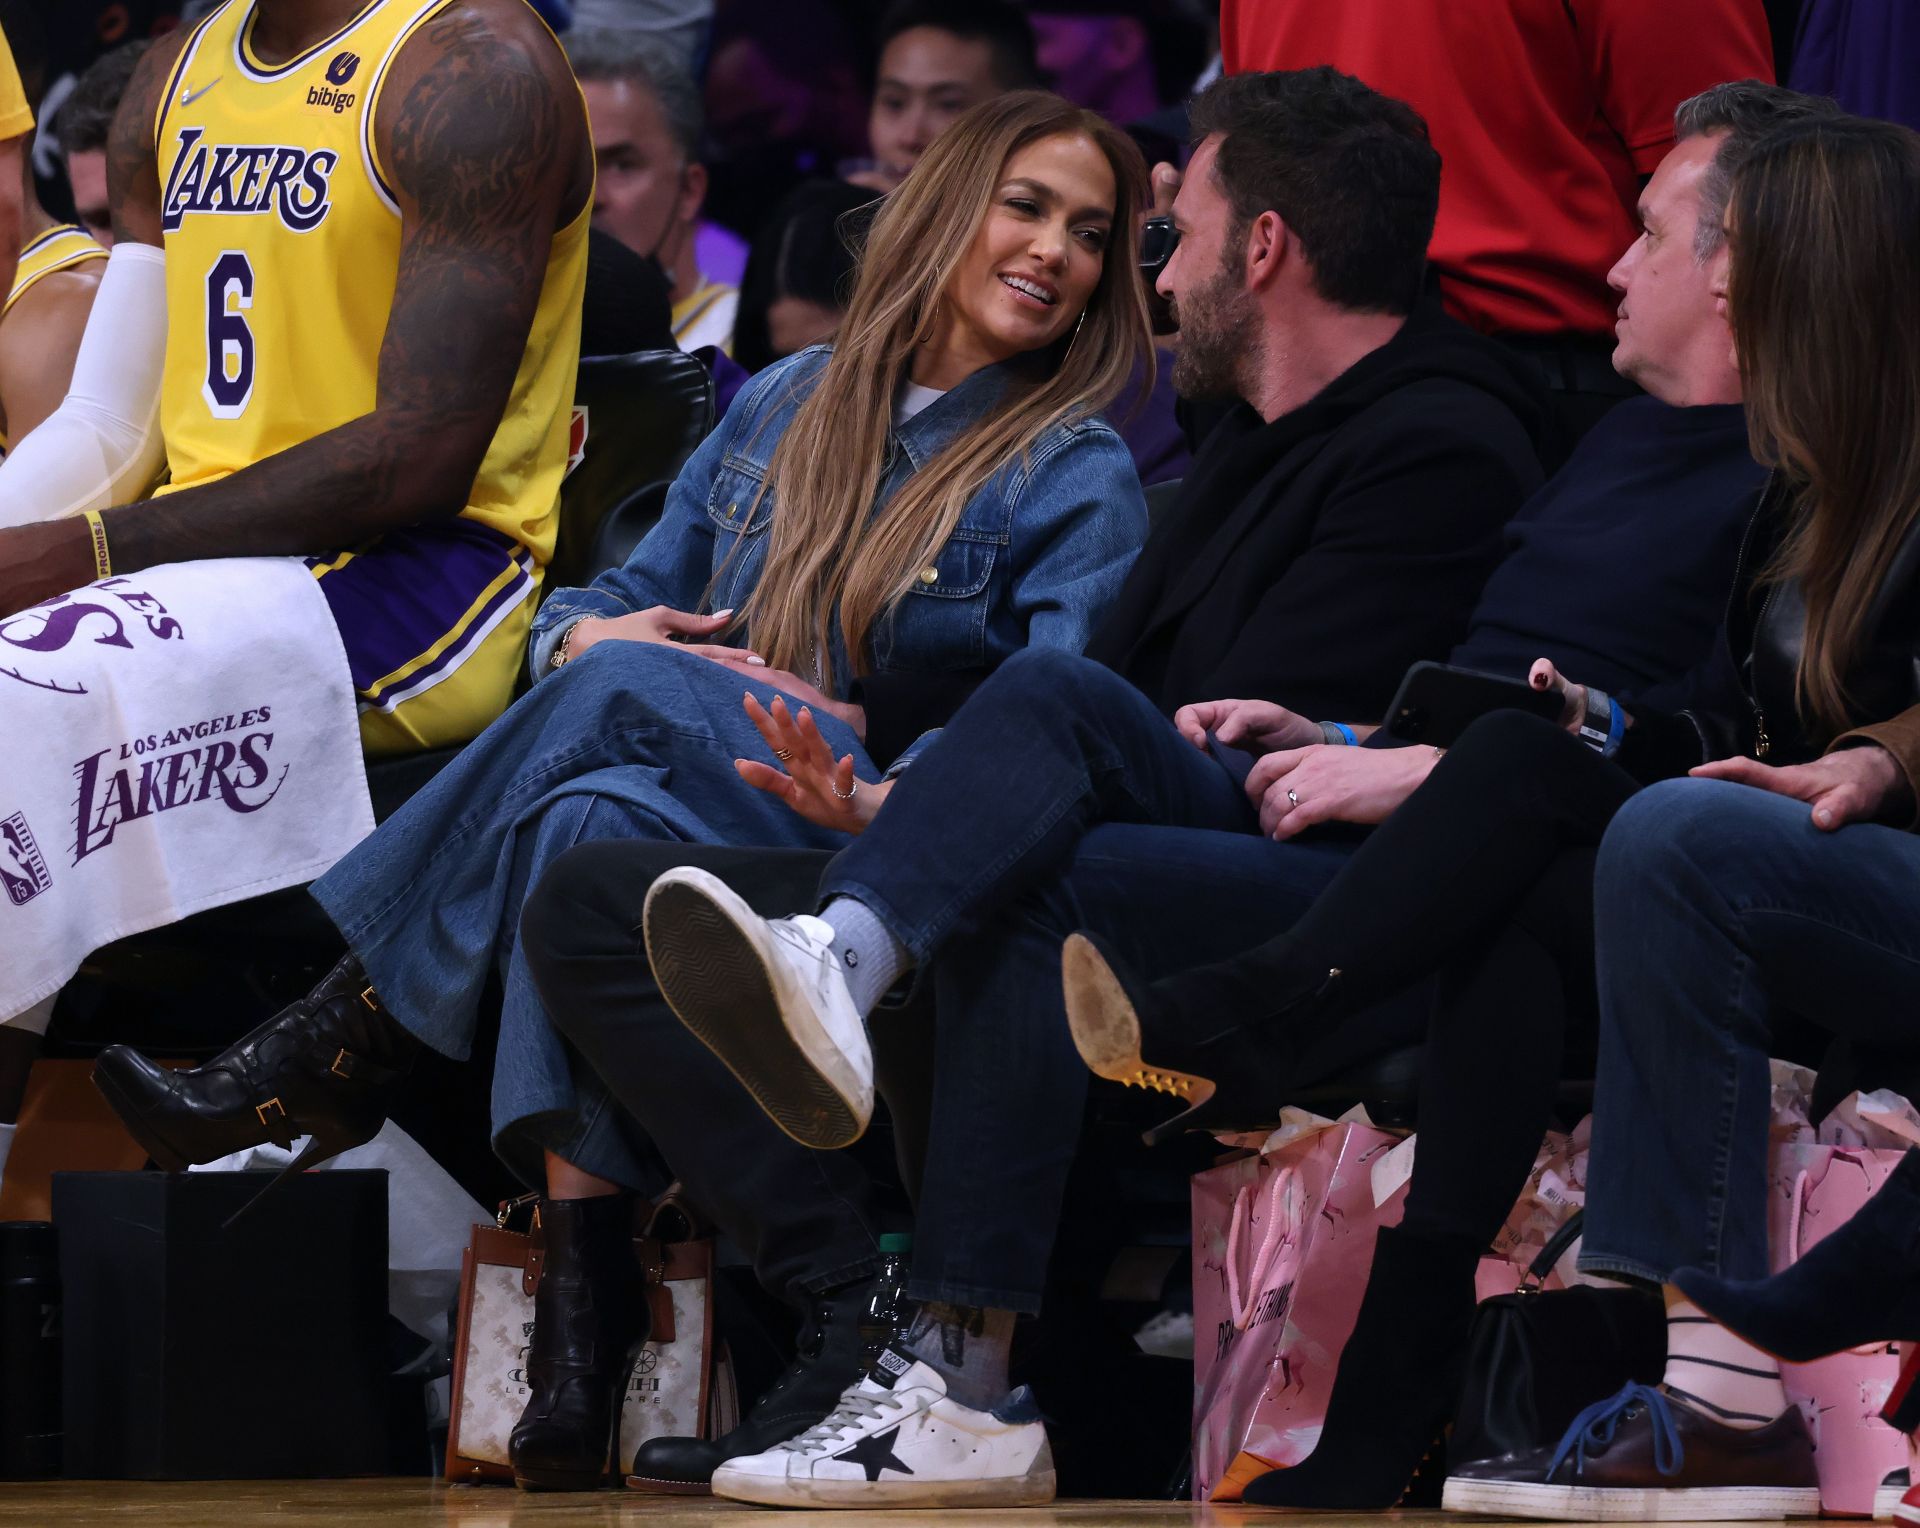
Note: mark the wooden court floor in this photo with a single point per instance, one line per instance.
(399, 1503)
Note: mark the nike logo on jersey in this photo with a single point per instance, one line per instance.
(188, 97)
(240, 179)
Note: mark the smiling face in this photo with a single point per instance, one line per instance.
(1672, 334)
(1035, 259)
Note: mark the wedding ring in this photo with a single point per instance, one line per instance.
(783, 754)
(1292, 800)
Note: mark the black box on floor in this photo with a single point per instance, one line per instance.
(195, 1352)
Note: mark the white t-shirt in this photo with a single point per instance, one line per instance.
(913, 398)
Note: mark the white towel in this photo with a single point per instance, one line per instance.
(173, 740)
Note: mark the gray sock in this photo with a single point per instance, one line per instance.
(967, 1345)
(872, 958)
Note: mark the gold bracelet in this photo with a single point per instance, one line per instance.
(102, 563)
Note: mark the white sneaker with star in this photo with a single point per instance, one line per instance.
(897, 1440)
(769, 998)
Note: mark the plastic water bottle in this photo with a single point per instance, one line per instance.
(889, 1296)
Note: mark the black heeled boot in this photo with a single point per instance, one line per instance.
(326, 1066)
(589, 1313)
(829, 1356)
(1398, 1384)
(1859, 1285)
(1222, 1038)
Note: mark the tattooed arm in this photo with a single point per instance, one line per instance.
(133, 165)
(485, 135)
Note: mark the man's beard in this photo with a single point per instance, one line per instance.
(1219, 332)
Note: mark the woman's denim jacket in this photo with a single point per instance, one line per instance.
(1038, 554)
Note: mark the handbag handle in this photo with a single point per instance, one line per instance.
(503, 1217)
(676, 1219)
(1271, 1242)
(1796, 1207)
(1548, 1257)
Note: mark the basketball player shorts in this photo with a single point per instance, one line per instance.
(434, 620)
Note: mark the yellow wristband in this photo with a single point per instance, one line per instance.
(102, 564)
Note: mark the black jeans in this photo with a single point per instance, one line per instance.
(1484, 878)
(806, 1219)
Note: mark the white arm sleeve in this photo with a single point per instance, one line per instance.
(102, 445)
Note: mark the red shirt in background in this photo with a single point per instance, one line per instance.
(1546, 114)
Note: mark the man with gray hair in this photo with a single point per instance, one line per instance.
(647, 123)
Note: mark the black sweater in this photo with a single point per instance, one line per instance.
(1311, 559)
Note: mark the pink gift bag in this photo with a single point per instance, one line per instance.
(1281, 1248)
(1815, 1190)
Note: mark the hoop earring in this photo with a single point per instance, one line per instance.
(933, 321)
(1079, 324)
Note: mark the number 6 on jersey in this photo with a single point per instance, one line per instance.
(229, 383)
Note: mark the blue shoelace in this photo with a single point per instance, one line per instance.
(1595, 1428)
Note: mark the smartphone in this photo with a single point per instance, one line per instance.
(1438, 702)
(1158, 240)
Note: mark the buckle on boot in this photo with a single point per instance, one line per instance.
(367, 997)
(343, 1071)
(273, 1104)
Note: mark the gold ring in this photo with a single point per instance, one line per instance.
(783, 754)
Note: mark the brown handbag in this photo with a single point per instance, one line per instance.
(680, 1383)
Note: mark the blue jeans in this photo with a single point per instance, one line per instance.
(1716, 907)
(1009, 1088)
(1047, 747)
(1058, 799)
(631, 740)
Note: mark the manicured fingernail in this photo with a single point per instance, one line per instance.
(756, 660)
(721, 615)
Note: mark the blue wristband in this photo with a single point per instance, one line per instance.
(1347, 732)
(1616, 730)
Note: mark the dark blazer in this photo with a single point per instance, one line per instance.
(1311, 559)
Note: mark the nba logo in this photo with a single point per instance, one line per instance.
(21, 865)
(341, 69)
(576, 440)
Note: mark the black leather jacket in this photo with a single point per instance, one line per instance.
(1741, 699)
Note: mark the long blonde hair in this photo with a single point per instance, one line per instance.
(827, 550)
(1824, 295)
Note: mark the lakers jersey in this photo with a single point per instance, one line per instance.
(60, 248)
(282, 238)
